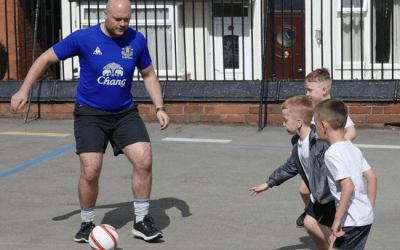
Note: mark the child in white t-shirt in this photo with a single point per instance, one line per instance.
(318, 84)
(307, 160)
(347, 167)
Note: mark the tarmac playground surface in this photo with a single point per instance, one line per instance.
(200, 197)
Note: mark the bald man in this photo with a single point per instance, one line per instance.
(104, 110)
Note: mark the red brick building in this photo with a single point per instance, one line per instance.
(16, 36)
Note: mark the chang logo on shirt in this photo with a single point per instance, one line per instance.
(127, 52)
(112, 70)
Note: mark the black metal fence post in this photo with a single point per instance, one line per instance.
(260, 125)
(272, 37)
(33, 55)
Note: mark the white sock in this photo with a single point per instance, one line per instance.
(88, 215)
(141, 208)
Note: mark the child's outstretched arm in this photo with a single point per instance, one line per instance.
(350, 133)
(279, 176)
(345, 196)
(259, 189)
(371, 186)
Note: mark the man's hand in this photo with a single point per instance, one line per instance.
(41, 64)
(163, 118)
(18, 101)
(337, 228)
(259, 189)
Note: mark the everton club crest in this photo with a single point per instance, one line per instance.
(127, 52)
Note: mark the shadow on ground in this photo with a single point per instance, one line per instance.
(306, 241)
(123, 212)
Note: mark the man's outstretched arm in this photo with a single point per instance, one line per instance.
(19, 99)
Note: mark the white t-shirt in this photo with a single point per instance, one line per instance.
(343, 160)
(304, 155)
(349, 122)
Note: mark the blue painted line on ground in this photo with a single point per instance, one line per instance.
(160, 142)
(15, 170)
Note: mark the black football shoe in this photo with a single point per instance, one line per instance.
(145, 230)
(300, 220)
(83, 234)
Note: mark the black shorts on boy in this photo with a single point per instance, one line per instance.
(355, 238)
(326, 211)
(94, 128)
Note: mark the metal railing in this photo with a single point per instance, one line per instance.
(209, 40)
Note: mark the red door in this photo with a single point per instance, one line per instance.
(288, 41)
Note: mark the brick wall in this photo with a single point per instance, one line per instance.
(18, 44)
(364, 115)
(7, 35)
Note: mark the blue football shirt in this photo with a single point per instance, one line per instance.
(106, 66)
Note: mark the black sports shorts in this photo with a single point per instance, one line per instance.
(326, 211)
(94, 128)
(354, 238)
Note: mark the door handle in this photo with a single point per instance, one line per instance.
(300, 71)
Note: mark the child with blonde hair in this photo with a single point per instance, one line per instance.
(318, 84)
(307, 159)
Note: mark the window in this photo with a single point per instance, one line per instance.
(376, 27)
(353, 20)
(386, 31)
(149, 21)
(287, 5)
(230, 10)
(231, 51)
(289, 37)
(355, 6)
(155, 22)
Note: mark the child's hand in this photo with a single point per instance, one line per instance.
(337, 228)
(259, 189)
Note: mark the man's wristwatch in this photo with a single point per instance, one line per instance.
(160, 109)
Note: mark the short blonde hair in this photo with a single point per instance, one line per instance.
(334, 111)
(320, 76)
(300, 107)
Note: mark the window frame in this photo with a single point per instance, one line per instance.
(354, 9)
(83, 22)
(366, 62)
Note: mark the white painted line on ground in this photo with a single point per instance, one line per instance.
(377, 146)
(196, 140)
